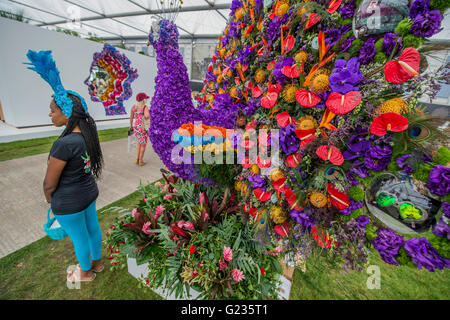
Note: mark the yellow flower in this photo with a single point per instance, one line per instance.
(306, 123)
(320, 83)
(282, 9)
(276, 174)
(260, 76)
(219, 78)
(301, 56)
(254, 169)
(234, 92)
(229, 73)
(395, 105)
(277, 215)
(289, 92)
(318, 200)
(239, 14)
(238, 185)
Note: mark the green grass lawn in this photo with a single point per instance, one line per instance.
(38, 271)
(25, 148)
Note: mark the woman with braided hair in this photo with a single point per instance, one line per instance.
(74, 162)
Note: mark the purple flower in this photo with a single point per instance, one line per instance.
(362, 221)
(279, 76)
(347, 44)
(359, 169)
(424, 255)
(367, 51)
(303, 218)
(446, 209)
(401, 162)
(418, 7)
(345, 76)
(439, 181)
(289, 142)
(389, 41)
(348, 10)
(354, 205)
(376, 164)
(442, 229)
(427, 24)
(252, 106)
(379, 152)
(387, 243)
(257, 181)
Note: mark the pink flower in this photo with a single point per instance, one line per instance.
(146, 227)
(165, 187)
(167, 197)
(175, 190)
(223, 265)
(159, 210)
(189, 225)
(134, 212)
(238, 275)
(227, 254)
(158, 184)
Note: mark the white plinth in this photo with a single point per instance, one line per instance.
(141, 271)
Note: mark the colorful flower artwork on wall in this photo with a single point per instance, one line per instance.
(110, 79)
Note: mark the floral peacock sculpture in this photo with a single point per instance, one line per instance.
(330, 89)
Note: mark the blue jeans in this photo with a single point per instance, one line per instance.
(84, 231)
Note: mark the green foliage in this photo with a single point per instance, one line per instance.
(442, 246)
(345, 21)
(68, 32)
(223, 174)
(379, 44)
(422, 173)
(440, 5)
(412, 41)
(380, 57)
(403, 28)
(393, 166)
(93, 37)
(371, 232)
(13, 16)
(442, 157)
(404, 259)
(356, 193)
(446, 198)
(356, 45)
(357, 213)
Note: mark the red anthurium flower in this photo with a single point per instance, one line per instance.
(305, 134)
(333, 5)
(405, 68)
(284, 119)
(262, 195)
(389, 121)
(277, 88)
(282, 229)
(342, 104)
(293, 160)
(288, 43)
(256, 92)
(271, 65)
(250, 85)
(291, 71)
(269, 100)
(248, 208)
(246, 163)
(263, 271)
(338, 198)
(330, 153)
(192, 249)
(291, 198)
(237, 80)
(210, 67)
(312, 20)
(280, 185)
(263, 163)
(306, 98)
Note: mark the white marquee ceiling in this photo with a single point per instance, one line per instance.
(121, 19)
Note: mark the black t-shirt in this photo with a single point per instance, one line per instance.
(77, 187)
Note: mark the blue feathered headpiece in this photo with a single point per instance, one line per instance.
(42, 62)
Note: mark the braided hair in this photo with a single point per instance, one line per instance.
(89, 131)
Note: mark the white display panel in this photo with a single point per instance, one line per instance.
(25, 97)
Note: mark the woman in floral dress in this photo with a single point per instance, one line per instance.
(139, 113)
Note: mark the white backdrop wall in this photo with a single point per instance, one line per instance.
(25, 97)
